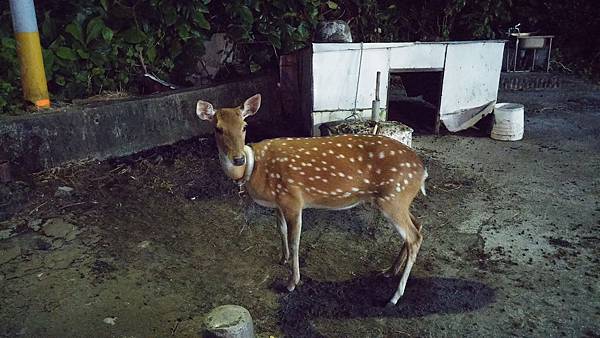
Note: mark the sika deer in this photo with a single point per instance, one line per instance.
(338, 172)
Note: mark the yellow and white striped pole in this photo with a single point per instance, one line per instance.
(29, 50)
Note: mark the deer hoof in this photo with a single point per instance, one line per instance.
(291, 286)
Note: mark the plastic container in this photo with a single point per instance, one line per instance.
(509, 122)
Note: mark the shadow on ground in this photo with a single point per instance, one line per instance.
(366, 297)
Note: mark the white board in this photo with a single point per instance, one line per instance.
(471, 80)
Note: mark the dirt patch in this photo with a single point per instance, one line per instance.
(148, 244)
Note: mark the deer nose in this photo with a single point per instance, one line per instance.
(239, 160)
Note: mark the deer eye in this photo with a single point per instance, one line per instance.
(219, 130)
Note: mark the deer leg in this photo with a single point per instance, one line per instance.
(401, 258)
(282, 225)
(401, 219)
(293, 218)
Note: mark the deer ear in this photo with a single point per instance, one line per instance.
(205, 110)
(251, 106)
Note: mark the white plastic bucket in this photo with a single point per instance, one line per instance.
(509, 122)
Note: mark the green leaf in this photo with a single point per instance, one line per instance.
(107, 33)
(48, 27)
(170, 16)
(94, 29)
(9, 43)
(151, 54)
(75, 31)
(184, 31)
(83, 54)
(66, 53)
(104, 5)
(201, 20)
(133, 35)
(246, 15)
(97, 71)
(60, 80)
(332, 5)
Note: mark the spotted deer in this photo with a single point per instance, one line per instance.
(335, 172)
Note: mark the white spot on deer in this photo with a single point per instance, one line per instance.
(311, 178)
(313, 160)
(273, 160)
(279, 186)
(407, 165)
(393, 169)
(370, 155)
(359, 158)
(330, 151)
(324, 180)
(369, 166)
(293, 160)
(324, 154)
(405, 181)
(272, 174)
(410, 175)
(341, 174)
(392, 152)
(283, 144)
(333, 193)
(332, 167)
(323, 162)
(315, 149)
(302, 173)
(387, 198)
(398, 189)
(290, 180)
(349, 145)
(333, 174)
(273, 193)
(359, 172)
(338, 144)
(354, 189)
(318, 177)
(378, 171)
(307, 152)
(317, 169)
(277, 175)
(339, 190)
(350, 177)
(351, 159)
(341, 156)
(378, 142)
(366, 180)
(360, 146)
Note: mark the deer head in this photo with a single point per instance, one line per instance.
(230, 132)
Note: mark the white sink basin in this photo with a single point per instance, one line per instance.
(529, 41)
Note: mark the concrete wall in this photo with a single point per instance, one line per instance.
(44, 140)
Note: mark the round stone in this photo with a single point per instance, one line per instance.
(229, 321)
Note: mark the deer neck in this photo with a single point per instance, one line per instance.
(240, 174)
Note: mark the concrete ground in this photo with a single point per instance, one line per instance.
(145, 246)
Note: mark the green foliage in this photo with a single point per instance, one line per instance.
(94, 46)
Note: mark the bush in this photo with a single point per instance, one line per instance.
(95, 46)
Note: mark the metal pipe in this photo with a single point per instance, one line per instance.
(29, 50)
